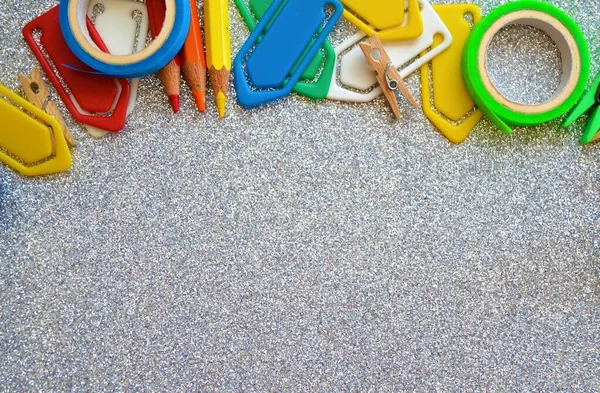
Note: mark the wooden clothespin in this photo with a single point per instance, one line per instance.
(37, 93)
(387, 75)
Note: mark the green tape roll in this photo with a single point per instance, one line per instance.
(575, 58)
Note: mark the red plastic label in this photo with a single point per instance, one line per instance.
(96, 94)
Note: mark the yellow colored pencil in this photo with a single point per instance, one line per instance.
(218, 49)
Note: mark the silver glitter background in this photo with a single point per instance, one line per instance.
(305, 246)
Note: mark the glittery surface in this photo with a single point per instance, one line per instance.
(524, 64)
(304, 246)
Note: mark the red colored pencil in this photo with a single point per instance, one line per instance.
(171, 73)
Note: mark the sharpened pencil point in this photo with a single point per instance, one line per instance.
(200, 99)
(174, 101)
(221, 100)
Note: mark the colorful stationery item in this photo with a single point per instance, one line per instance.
(590, 102)
(355, 81)
(123, 28)
(387, 75)
(170, 74)
(145, 62)
(218, 49)
(281, 47)
(31, 141)
(385, 18)
(193, 61)
(92, 99)
(37, 93)
(575, 60)
(314, 82)
(446, 101)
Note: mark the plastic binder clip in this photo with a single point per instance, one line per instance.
(281, 47)
(354, 81)
(589, 102)
(92, 99)
(31, 141)
(314, 82)
(446, 101)
(387, 75)
(385, 18)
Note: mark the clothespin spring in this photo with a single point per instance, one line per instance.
(392, 83)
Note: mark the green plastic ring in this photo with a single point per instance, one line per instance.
(575, 58)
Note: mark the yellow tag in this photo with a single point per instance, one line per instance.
(31, 141)
(446, 102)
(385, 18)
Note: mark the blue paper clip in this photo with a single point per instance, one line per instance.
(281, 48)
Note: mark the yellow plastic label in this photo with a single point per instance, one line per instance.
(446, 101)
(385, 18)
(381, 14)
(31, 141)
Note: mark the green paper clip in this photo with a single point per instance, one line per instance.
(590, 101)
(316, 79)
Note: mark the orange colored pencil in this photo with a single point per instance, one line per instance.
(193, 62)
(171, 73)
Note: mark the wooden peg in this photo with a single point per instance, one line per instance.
(37, 93)
(387, 75)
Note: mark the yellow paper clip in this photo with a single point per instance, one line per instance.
(387, 75)
(446, 102)
(31, 141)
(385, 18)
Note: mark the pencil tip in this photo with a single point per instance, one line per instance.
(200, 98)
(221, 99)
(174, 100)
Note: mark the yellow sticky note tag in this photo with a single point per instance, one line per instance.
(446, 101)
(385, 18)
(31, 141)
